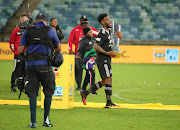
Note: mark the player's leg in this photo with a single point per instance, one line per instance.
(92, 89)
(96, 86)
(108, 85)
(108, 89)
(99, 84)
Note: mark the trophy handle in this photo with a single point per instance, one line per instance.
(119, 28)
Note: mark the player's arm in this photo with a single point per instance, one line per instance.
(100, 50)
(70, 41)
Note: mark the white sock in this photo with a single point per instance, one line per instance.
(47, 120)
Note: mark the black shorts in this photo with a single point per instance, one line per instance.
(104, 67)
(39, 74)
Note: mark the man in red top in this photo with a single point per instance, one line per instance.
(18, 71)
(74, 37)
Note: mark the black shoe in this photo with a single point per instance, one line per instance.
(93, 93)
(47, 125)
(83, 95)
(32, 125)
(111, 105)
(78, 88)
(13, 90)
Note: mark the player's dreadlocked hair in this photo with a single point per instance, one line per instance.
(101, 17)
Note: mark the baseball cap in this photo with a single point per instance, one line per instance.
(41, 16)
(83, 18)
(86, 30)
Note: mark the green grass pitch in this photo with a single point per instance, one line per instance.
(132, 83)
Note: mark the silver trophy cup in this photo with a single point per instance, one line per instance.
(115, 40)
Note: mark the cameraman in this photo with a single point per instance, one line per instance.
(39, 39)
(57, 28)
(30, 19)
(14, 40)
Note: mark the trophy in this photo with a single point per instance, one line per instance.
(115, 40)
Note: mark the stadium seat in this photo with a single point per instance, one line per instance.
(133, 16)
(142, 19)
(7, 9)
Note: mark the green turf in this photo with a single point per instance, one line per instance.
(132, 83)
(17, 117)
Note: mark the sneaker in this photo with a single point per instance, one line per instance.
(111, 105)
(32, 125)
(47, 125)
(93, 93)
(13, 90)
(78, 88)
(83, 95)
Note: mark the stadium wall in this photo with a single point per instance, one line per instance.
(130, 53)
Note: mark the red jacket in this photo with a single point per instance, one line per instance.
(75, 36)
(14, 40)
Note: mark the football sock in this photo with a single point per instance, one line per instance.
(109, 101)
(33, 104)
(95, 87)
(47, 105)
(98, 85)
(108, 91)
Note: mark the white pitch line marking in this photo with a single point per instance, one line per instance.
(117, 96)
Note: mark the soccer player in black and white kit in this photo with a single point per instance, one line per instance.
(103, 47)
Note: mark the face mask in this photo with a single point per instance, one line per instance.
(84, 23)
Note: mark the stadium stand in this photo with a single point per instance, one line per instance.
(12, 21)
(7, 9)
(140, 19)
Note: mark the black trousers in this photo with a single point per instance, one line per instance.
(78, 71)
(39, 74)
(89, 78)
(19, 69)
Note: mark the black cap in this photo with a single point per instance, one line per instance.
(41, 16)
(86, 30)
(83, 18)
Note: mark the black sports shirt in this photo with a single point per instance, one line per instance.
(104, 41)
